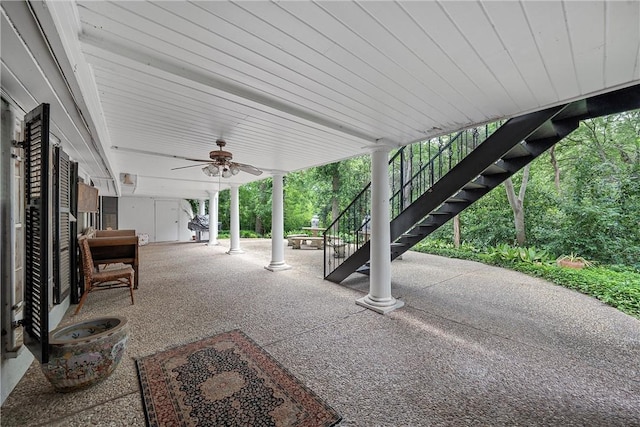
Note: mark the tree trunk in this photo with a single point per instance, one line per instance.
(259, 228)
(456, 231)
(335, 208)
(518, 217)
(517, 205)
(262, 197)
(407, 172)
(556, 169)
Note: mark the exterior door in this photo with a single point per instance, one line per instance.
(166, 220)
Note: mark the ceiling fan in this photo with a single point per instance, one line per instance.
(221, 164)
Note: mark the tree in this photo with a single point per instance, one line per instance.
(299, 200)
(331, 173)
(556, 169)
(517, 204)
(255, 206)
(456, 231)
(338, 183)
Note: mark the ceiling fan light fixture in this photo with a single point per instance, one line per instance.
(211, 170)
(221, 164)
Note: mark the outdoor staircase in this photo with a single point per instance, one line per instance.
(458, 174)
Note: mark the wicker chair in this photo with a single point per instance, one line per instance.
(101, 280)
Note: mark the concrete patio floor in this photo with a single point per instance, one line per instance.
(474, 344)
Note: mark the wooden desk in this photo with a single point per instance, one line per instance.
(114, 233)
(113, 250)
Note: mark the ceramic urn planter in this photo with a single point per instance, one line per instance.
(85, 353)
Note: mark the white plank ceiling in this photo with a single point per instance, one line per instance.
(290, 85)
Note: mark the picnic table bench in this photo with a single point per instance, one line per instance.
(313, 241)
(290, 238)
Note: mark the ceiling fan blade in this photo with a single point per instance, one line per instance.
(249, 169)
(190, 166)
(153, 153)
(193, 160)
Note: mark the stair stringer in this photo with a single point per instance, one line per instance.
(497, 145)
(440, 214)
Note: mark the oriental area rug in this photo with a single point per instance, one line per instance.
(226, 380)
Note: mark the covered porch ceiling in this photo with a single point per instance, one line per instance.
(291, 85)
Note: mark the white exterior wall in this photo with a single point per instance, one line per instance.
(138, 213)
(133, 213)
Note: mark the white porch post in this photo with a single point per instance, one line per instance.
(235, 222)
(277, 226)
(201, 207)
(213, 218)
(379, 298)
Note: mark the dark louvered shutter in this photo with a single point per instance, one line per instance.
(73, 231)
(36, 315)
(61, 229)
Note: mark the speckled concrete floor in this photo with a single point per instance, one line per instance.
(474, 345)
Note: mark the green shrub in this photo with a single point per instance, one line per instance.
(442, 248)
(249, 234)
(531, 255)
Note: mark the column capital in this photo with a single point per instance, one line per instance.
(278, 173)
(383, 145)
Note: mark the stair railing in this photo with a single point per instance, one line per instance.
(350, 230)
(451, 149)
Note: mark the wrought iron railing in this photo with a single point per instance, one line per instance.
(413, 170)
(443, 153)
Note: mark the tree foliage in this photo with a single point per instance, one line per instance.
(581, 197)
(595, 210)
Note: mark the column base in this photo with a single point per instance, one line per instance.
(213, 243)
(278, 266)
(381, 307)
(235, 251)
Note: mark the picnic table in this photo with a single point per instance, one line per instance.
(313, 241)
(314, 230)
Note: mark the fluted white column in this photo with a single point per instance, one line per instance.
(235, 222)
(277, 226)
(213, 218)
(201, 209)
(379, 298)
